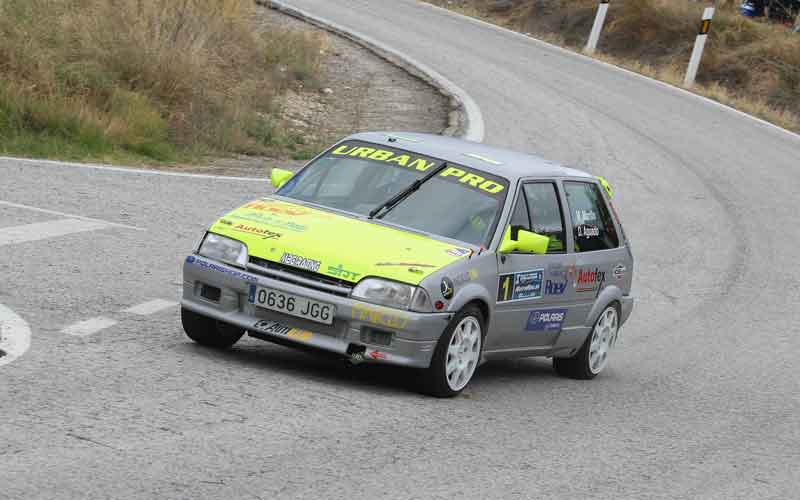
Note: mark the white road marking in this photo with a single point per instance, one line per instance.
(95, 325)
(15, 336)
(63, 214)
(137, 171)
(150, 307)
(89, 327)
(44, 230)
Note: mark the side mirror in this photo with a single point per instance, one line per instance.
(606, 186)
(526, 242)
(279, 176)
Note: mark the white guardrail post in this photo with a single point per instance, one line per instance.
(699, 46)
(599, 20)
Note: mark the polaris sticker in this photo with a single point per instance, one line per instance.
(520, 286)
(546, 320)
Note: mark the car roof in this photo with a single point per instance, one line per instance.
(502, 162)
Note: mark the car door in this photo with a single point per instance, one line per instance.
(599, 258)
(533, 290)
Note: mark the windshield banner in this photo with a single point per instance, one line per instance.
(480, 181)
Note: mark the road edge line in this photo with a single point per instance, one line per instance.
(472, 128)
(669, 86)
(15, 335)
(139, 171)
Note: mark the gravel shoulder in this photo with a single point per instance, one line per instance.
(356, 91)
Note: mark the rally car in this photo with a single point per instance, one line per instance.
(420, 251)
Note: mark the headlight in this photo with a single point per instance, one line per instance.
(392, 294)
(224, 249)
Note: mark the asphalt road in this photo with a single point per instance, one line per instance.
(701, 400)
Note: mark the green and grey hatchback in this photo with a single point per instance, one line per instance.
(420, 251)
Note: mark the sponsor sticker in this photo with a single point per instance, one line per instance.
(473, 179)
(300, 262)
(277, 208)
(447, 288)
(278, 329)
(377, 355)
(546, 320)
(378, 317)
(466, 277)
(520, 286)
(458, 252)
(619, 271)
(402, 264)
(265, 234)
(340, 272)
(552, 287)
(220, 269)
(589, 280)
(269, 220)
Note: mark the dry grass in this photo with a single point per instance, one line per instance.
(750, 65)
(156, 79)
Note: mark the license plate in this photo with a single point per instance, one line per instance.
(293, 305)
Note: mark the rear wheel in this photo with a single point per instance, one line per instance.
(457, 355)
(209, 331)
(593, 355)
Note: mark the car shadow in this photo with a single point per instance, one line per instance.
(323, 367)
(333, 370)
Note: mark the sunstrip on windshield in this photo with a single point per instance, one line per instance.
(476, 179)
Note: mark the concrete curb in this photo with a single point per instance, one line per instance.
(465, 119)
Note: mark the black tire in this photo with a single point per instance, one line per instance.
(208, 331)
(578, 366)
(433, 380)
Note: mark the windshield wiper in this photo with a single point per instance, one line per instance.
(402, 195)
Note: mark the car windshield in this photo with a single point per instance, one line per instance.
(459, 203)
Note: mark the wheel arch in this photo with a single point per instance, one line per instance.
(610, 295)
(484, 309)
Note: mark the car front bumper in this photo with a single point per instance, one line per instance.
(412, 345)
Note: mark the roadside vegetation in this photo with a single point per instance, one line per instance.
(146, 81)
(748, 64)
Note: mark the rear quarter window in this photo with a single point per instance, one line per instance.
(592, 226)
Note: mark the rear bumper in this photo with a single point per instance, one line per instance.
(411, 346)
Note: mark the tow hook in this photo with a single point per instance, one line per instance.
(357, 353)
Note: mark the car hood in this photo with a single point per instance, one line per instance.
(334, 245)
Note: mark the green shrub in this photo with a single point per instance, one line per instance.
(154, 79)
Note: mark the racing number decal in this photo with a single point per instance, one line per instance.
(504, 293)
(520, 286)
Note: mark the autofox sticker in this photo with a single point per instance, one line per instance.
(478, 180)
(258, 231)
(589, 281)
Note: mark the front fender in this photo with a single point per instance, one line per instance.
(469, 293)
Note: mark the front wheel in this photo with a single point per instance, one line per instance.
(208, 331)
(593, 356)
(457, 355)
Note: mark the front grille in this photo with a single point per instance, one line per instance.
(344, 287)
